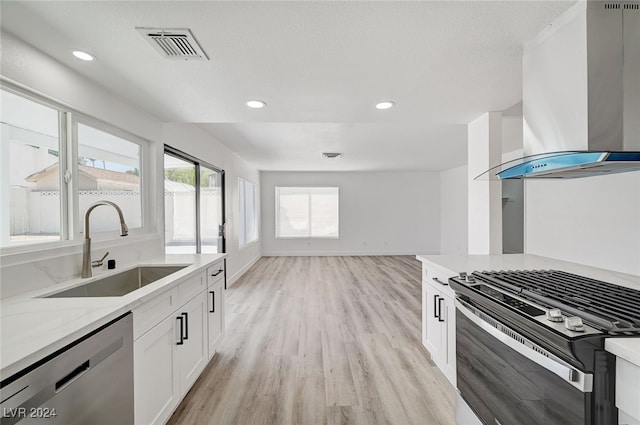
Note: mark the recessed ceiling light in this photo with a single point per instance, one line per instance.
(385, 105)
(256, 104)
(83, 55)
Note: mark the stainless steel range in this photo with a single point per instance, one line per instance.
(530, 346)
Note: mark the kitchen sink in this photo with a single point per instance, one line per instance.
(119, 284)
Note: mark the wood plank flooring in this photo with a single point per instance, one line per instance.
(326, 341)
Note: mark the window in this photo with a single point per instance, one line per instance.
(30, 155)
(248, 226)
(307, 212)
(193, 205)
(55, 163)
(108, 169)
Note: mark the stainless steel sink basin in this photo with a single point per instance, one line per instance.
(119, 284)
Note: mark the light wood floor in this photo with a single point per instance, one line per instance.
(322, 340)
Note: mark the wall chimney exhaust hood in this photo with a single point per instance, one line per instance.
(581, 95)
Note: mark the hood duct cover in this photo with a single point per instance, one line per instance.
(581, 95)
(174, 43)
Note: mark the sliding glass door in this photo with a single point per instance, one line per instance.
(194, 205)
(211, 210)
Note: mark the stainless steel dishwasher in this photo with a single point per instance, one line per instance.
(90, 381)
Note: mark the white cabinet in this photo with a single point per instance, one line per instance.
(155, 369)
(439, 319)
(215, 310)
(176, 336)
(167, 361)
(192, 352)
(215, 300)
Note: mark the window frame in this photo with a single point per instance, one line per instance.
(145, 195)
(242, 218)
(177, 153)
(67, 164)
(309, 237)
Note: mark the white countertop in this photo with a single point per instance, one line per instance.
(32, 328)
(627, 348)
(470, 263)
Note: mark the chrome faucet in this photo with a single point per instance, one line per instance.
(86, 248)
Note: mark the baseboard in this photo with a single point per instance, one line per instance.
(243, 270)
(338, 253)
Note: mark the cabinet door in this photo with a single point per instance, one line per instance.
(215, 298)
(156, 383)
(192, 354)
(432, 338)
(448, 358)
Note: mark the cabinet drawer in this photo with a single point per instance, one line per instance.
(154, 311)
(191, 287)
(438, 277)
(215, 273)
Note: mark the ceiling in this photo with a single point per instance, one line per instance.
(320, 66)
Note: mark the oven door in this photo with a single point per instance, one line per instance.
(508, 380)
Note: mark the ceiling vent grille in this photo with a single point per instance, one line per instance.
(174, 43)
(331, 155)
(626, 5)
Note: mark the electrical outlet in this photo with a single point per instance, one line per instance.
(364, 243)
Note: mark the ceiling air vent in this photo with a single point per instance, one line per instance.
(174, 43)
(331, 155)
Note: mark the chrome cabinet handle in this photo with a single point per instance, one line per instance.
(439, 281)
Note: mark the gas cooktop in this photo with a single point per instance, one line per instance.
(582, 304)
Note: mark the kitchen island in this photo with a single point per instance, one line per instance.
(439, 321)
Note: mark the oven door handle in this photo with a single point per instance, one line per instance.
(577, 378)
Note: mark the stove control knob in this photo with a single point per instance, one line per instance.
(554, 315)
(574, 324)
(471, 279)
(463, 275)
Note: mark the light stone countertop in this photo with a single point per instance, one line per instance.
(31, 327)
(627, 348)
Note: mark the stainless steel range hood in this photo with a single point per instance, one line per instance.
(581, 95)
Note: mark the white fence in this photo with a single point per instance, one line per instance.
(38, 212)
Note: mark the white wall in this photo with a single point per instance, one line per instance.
(454, 230)
(191, 139)
(485, 206)
(593, 220)
(380, 213)
(511, 135)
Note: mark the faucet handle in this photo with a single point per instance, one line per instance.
(98, 263)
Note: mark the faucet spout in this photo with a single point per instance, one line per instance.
(86, 247)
